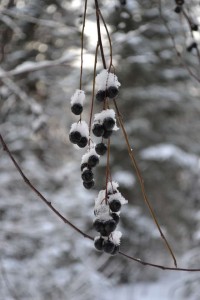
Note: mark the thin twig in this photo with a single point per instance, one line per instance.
(82, 40)
(26, 180)
(99, 34)
(93, 89)
(66, 221)
(141, 181)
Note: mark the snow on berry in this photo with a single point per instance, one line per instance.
(106, 79)
(117, 196)
(78, 97)
(81, 127)
(116, 237)
(88, 154)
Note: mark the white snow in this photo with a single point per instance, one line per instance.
(78, 97)
(90, 152)
(82, 127)
(106, 113)
(116, 237)
(106, 79)
(118, 196)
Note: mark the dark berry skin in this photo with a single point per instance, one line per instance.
(110, 226)
(88, 185)
(191, 46)
(101, 148)
(108, 246)
(98, 130)
(83, 166)
(77, 108)
(107, 134)
(178, 9)
(115, 217)
(194, 27)
(98, 225)
(87, 175)
(93, 160)
(100, 95)
(112, 92)
(108, 123)
(115, 250)
(115, 205)
(83, 142)
(98, 243)
(74, 137)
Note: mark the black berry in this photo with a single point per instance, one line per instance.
(115, 205)
(194, 27)
(87, 175)
(110, 226)
(108, 246)
(98, 130)
(123, 2)
(115, 217)
(107, 134)
(101, 148)
(88, 185)
(191, 46)
(98, 225)
(74, 137)
(83, 166)
(77, 108)
(108, 123)
(98, 243)
(178, 9)
(112, 92)
(93, 160)
(115, 250)
(100, 95)
(83, 142)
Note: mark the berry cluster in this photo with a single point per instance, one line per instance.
(89, 161)
(104, 124)
(107, 214)
(107, 84)
(109, 201)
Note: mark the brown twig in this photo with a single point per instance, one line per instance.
(59, 215)
(82, 40)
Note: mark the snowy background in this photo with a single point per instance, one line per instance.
(40, 257)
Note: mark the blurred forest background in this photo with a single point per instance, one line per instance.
(40, 63)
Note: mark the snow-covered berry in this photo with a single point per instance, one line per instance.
(108, 123)
(98, 130)
(115, 205)
(101, 148)
(112, 92)
(83, 142)
(74, 137)
(87, 175)
(101, 95)
(108, 246)
(77, 108)
(88, 185)
(93, 160)
(98, 243)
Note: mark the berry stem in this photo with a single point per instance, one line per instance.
(107, 170)
(93, 90)
(82, 40)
